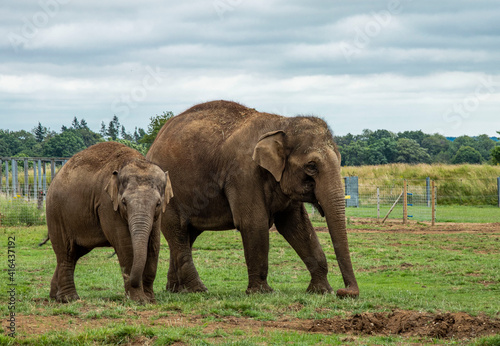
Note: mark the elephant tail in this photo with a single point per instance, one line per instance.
(44, 241)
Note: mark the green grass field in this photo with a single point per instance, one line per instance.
(428, 272)
(444, 213)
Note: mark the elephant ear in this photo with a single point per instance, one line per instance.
(112, 189)
(269, 153)
(169, 193)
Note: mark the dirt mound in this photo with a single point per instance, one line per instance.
(410, 323)
(405, 323)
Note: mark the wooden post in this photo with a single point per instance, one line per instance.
(52, 169)
(378, 203)
(44, 178)
(405, 202)
(35, 188)
(7, 177)
(390, 210)
(498, 190)
(433, 202)
(14, 177)
(26, 178)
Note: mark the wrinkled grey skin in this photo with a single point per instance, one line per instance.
(107, 195)
(233, 167)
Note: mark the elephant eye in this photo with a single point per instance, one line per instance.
(124, 202)
(311, 168)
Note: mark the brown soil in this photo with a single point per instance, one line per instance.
(398, 322)
(368, 225)
(459, 326)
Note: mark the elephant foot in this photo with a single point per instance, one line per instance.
(261, 288)
(320, 288)
(150, 295)
(139, 296)
(177, 288)
(66, 297)
(349, 292)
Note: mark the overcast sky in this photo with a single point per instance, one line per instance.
(397, 64)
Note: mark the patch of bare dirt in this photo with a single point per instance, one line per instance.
(371, 225)
(398, 322)
(412, 323)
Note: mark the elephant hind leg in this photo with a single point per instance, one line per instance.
(182, 274)
(54, 286)
(63, 283)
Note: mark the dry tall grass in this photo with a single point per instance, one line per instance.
(456, 184)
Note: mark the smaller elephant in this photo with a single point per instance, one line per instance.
(107, 195)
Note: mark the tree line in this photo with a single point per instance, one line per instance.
(382, 147)
(43, 142)
(368, 148)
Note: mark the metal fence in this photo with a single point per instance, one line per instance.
(405, 201)
(24, 183)
(23, 186)
(31, 185)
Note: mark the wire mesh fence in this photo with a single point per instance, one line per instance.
(23, 185)
(390, 202)
(24, 182)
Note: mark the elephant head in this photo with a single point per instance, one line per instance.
(304, 160)
(140, 192)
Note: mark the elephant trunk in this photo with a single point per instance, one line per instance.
(330, 195)
(140, 230)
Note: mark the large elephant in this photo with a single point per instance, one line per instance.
(107, 195)
(234, 167)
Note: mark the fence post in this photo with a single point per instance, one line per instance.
(433, 197)
(428, 190)
(26, 178)
(378, 203)
(52, 169)
(44, 178)
(40, 174)
(14, 177)
(7, 177)
(35, 189)
(405, 202)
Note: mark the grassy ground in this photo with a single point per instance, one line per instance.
(444, 213)
(424, 271)
(456, 184)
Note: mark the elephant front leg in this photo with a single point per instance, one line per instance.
(151, 266)
(294, 225)
(125, 258)
(256, 248)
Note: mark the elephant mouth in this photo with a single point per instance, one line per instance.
(319, 208)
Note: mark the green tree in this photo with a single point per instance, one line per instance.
(40, 132)
(103, 131)
(75, 124)
(409, 151)
(495, 155)
(484, 144)
(417, 136)
(435, 144)
(113, 130)
(155, 124)
(467, 154)
(66, 144)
